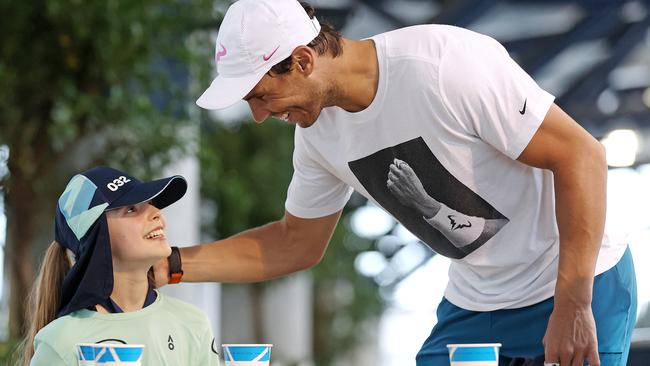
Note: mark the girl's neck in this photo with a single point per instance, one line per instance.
(129, 290)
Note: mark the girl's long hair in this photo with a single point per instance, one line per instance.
(44, 299)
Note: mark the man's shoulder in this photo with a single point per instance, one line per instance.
(428, 42)
(425, 30)
(422, 41)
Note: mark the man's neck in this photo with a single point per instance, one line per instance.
(354, 75)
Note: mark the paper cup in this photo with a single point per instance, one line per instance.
(247, 354)
(109, 354)
(479, 354)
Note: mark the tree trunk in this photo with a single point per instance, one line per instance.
(22, 210)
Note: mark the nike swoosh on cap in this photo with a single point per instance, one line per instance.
(221, 53)
(266, 58)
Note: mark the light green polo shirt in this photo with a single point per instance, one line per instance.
(173, 332)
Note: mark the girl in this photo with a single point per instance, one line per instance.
(94, 285)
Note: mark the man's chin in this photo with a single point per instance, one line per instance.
(304, 124)
(297, 123)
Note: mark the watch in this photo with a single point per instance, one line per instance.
(175, 266)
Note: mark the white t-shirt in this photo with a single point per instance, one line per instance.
(454, 107)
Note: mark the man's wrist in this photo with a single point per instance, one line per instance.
(429, 207)
(574, 293)
(175, 266)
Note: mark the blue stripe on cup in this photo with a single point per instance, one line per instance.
(87, 353)
(474, 352)
(130, 354)
(124, 354)
(487, 353)
(107, 357)
(247, 353)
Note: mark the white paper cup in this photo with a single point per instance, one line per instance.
(477, 354)
(109, 354)
(247, 354)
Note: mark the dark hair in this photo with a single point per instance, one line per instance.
(328, 40)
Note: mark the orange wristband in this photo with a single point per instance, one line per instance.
(175, 277)
(175, 266)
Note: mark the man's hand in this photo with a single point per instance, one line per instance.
(571, 336)
(161, 273)
(405, 185)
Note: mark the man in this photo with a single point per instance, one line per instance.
(449, 108)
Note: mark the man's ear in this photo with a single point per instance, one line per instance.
(304, 59)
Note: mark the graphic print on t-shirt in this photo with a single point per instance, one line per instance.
(409, 182)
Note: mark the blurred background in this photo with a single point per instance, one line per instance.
(84, 83)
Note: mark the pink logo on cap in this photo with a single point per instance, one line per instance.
(221, 53)
(266, 58)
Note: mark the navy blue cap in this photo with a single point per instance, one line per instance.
(81, 226)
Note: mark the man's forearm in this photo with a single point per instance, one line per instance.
(273, 250)
(251, 256)
(580, 190)
(427, 206)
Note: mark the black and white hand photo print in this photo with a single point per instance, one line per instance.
(409, 182)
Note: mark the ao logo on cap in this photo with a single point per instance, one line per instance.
(117, 183)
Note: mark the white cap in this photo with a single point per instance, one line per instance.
(253, 37)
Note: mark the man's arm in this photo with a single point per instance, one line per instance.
(578, 163)
(276, 249)
(460, 229)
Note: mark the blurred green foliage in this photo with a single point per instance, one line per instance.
(246, 170)
(6, 351)
(345, 301)
(112, 74)
(84, 83)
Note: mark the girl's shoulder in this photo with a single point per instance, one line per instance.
(60, 333)
(55, 328)
(181, 309)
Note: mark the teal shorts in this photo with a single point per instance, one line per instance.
(520, 331)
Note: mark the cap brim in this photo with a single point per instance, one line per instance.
(224, 92)
(161, 192)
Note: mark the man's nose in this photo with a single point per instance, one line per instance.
(259, 110)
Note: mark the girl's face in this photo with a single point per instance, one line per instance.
(137, 236)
